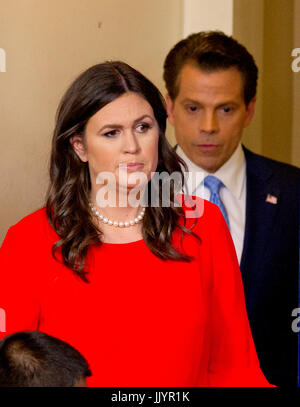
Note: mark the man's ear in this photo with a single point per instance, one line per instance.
(79, 148)
(250, 108)
(170, 109)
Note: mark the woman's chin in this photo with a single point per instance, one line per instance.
(126, 189)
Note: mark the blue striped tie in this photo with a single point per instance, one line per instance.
(214, 185)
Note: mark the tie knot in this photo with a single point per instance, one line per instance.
(213, 184)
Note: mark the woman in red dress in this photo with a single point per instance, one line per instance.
(150, 294)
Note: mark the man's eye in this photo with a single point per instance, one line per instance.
(226, 109)
(192, 109)
(143, 127)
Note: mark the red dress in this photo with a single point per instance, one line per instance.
(141, 321)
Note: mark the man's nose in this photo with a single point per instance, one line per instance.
(209, 122)
(130, 142)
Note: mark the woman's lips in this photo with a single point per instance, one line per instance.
(132, 166)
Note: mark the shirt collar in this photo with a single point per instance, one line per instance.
(232, 173)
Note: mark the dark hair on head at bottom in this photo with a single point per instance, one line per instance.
(35, 359)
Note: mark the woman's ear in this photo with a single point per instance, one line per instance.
(79, 148)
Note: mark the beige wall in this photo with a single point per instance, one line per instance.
(269, 29)
(250, 13)
(47, 44)
(277, 80)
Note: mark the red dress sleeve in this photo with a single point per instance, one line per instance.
(25, 272)
(18, 290)
(233, 361)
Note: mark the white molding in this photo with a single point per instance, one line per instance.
(203, 15)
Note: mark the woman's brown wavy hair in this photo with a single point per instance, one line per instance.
(67, 203)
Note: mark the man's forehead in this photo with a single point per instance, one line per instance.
(194, 81)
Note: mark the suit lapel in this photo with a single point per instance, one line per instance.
(260, 214)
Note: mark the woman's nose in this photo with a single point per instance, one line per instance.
(130, 142)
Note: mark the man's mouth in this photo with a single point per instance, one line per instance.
(207, 147)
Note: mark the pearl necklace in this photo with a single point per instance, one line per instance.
(115, 223)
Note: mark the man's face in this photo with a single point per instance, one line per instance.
(209, 115)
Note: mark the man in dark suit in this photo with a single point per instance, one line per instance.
(211, 82)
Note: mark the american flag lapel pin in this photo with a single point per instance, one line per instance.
(271, 199)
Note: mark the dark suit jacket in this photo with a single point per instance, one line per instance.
(270, 264)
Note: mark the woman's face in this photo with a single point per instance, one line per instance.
(121, 138)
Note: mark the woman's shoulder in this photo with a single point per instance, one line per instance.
(200, 210)
(33, 226)
(27, 267)
(36, 217)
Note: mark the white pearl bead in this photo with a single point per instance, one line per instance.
(115, 223)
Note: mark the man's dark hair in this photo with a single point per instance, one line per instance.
(35, 359)
(211, 51)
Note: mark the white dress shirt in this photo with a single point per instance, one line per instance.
(233, 194)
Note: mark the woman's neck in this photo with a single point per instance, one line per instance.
(120, 208)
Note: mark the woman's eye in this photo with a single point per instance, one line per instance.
(111, 133)
(143, 127)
